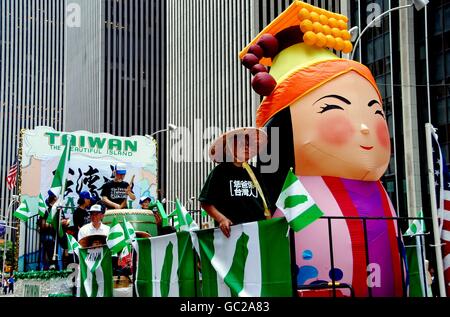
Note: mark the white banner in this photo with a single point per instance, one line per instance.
(93, 157)
(91, 164)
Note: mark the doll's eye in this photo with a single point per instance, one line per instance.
(380, 113)
(330, 107)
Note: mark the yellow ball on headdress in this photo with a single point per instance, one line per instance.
(314, 16)
(317, 27)
(348, 47)
(321, 40)
(304, 14)
(332, 22)
(326, 29)
(310, 38)
(323, 19)
(306, 26)
(345, 35)
(331, 42)
(336, 32)
(342, 24)
(339, 44)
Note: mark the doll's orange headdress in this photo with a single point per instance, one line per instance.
(297, 47)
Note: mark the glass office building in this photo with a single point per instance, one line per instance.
(409, 55)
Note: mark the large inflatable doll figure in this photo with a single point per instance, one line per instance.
(333, 133)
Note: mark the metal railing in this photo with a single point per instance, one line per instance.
(31, 256)
(401, 225)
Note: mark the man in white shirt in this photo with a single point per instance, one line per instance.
(95, 227)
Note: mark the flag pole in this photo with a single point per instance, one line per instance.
(419, 250)
(436, 231)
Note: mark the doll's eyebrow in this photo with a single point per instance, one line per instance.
(371, 103)
(337, 97)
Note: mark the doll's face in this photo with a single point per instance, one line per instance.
(340, 130)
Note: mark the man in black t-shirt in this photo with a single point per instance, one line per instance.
(116, 192)
(229, 194)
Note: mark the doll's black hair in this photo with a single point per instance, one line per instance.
(286, 156)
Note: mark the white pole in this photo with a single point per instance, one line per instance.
(436, 231)
(55, 251)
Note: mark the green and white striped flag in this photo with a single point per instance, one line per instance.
(73, 245)
(59, 179)
(95, 273)
(58, 185)
(296, 203)
(176, 223)
(128, 229)
(54, 217)
(42, 207)
(416, 227)
(165, 266)
(162, 212)
(185, 221)
(416, 259)
(54, 214)
(23, 212)
(116, 238)
(255, 261)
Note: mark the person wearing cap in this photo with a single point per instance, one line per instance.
(51, 199)
(95, 227)
(81, 216)
(233, 192)
(145, 202)
(116, 192)
(332, 132)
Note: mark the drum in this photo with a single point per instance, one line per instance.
(143, 221)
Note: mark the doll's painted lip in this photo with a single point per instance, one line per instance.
(368, 148)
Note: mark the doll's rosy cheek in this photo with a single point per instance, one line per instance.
(336, 129)
(383, 134)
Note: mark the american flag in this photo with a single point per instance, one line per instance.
(442, 184)
(11, 178)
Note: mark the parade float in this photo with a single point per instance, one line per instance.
(334, 137)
